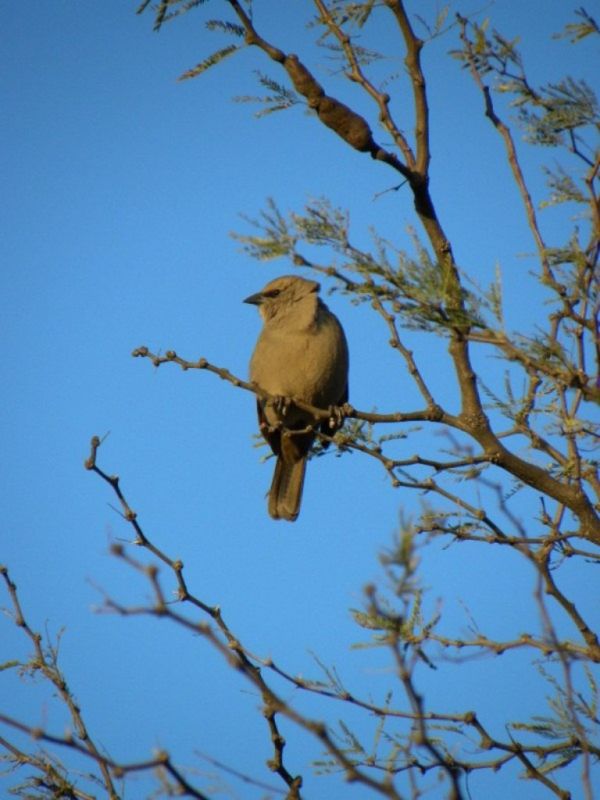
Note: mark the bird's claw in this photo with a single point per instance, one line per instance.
(280, 405)
(337, 415)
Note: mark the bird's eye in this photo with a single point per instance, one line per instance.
(273, 293)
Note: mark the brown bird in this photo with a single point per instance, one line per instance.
(301, 353)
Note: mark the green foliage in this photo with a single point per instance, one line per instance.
(555, 110)
(209, 62)
(544, 397)
(166, 10)
(571, 718)
(401, 619)
(348, 14)
(364, 55)
(413, 286)
(281, 98)
(576, 31)
(551, 115)
(225, 27)
(562, 187)
(439, 24)
(491, 53)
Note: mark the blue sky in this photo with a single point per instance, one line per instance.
(121, 189)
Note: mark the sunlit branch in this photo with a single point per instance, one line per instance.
(349, 125)
(564, 657)
(231, 648)
(184, 595)
(162, 761)
(397, 344)
(572, 378)
(357, 75)
(511, 151)
(472, 420)
(413, 63)
(434, 414)
(46, 663)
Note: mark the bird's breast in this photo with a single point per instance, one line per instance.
(310, 364)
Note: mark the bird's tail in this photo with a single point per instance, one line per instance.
(286, 488)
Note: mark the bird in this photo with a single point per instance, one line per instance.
(301, 353)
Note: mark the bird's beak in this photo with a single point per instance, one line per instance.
(254, 299)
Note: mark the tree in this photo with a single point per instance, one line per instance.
(514, 472)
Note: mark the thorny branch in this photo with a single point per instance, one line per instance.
(253, 668)
(511, 150)
(230, 648)
(356, 74)
(406, 636)
(498, 455)
(355, 131)
(472, 418)
(45, 662)
(217, 632)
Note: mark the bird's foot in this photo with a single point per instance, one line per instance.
(280, 404)
(337, 415)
